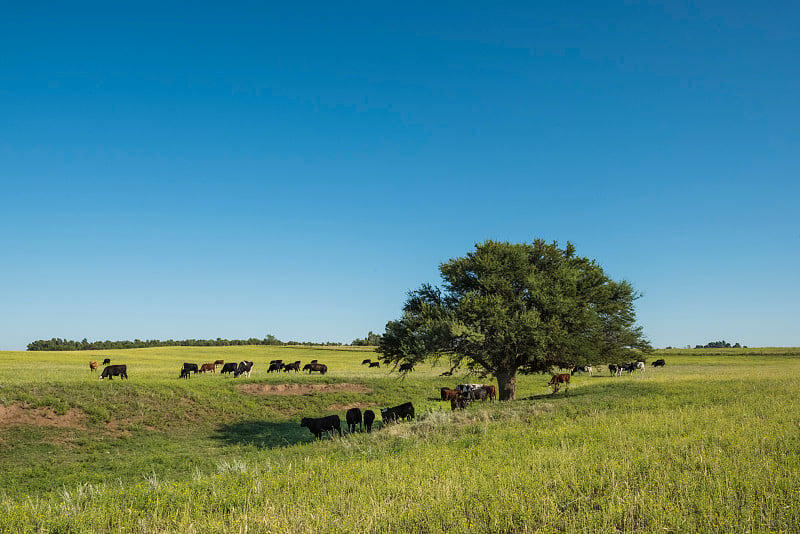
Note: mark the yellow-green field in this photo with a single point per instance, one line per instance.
(710, 443)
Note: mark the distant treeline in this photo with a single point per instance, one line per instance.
(720, 345)
(68, 344)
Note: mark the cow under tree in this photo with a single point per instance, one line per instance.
(403, 411)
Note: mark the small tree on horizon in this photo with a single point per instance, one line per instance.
(507, 309)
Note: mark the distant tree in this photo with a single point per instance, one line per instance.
(372, 339)
(507, 309)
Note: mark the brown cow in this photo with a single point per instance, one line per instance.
(208, 367)
(219, 362)
(559, 379)
(448, 394)
(491, 391)
(93, 365)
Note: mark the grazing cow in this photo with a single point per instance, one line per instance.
(319, 367)
(583, 369)
(185, 373)
(208, 367)
(477, 394)
(459, 403)
(375, 364)
(366, 362)
(406, 367)
(219, 362)
(369, 418)
(93, 366)
(353, 417)
(114, 370)
(557, 380)
(229, 367)
(275, 367)
(403, 411)
(615, 370)
(448, 394)
(659, 363)
(244, 368)
(191, 367)
(465, 388)
(491, 391)
(322, 424)
(106, 361)
(292, 367)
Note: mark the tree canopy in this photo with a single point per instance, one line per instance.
(506, 309)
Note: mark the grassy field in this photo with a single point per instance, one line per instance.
(710, 443)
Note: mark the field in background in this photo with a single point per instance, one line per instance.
(707, 444)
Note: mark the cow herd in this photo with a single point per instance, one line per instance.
(557, 380)
(355, 419)
(459, 397)
(464, 394)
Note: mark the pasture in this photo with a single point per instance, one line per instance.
(708, 443)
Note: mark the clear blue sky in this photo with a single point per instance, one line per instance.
(201, 170)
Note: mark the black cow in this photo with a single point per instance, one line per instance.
(659, 363)
(277, 366)
(322, 424)
(459, 403)
(375, 364)
(185, 373)
(115, 370)
(367, 361)
(353, 417)
(107, 361)
(480, 394)
(292, 367)
(319, 367)
(615, 370)
(369, 418)
(229, 367)
(404, 411)
(244, 369)
(191, 367)
(406, 367)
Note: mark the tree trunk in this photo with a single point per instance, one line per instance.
(506, 384)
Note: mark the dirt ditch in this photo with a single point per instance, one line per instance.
(17, 414)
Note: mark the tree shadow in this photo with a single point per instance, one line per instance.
(263, 434)
(560, 395)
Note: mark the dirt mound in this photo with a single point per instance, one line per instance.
(301, 389)
(16, 414)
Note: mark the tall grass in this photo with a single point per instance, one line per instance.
(707, 444)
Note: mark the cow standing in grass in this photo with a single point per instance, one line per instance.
(115, 370)
(557, 380)
(369, 418)
(353, 418)
(322, 424)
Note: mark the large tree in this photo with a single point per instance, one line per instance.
(506, 309)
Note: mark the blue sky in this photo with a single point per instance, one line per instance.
(202, 170)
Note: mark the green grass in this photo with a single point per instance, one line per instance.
(708, 444)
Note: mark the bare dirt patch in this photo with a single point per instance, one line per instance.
(16, 414)
(302, 389)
